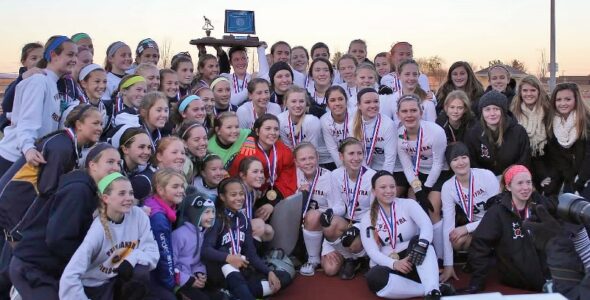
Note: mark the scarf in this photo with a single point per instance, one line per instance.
(565, 130)
(532, 121)
(158, 205)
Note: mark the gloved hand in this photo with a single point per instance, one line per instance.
(248, 147)
(422, 198)
(385, 90)
(349, 235)
(326, 218)
(418, 251)
(545, 230)
(125, 271)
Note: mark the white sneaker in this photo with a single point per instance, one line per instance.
(308, 268)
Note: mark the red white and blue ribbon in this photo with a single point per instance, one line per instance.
(295, 140)
(234, 237)
(466, 201)
(239, 88)
(416, 159)
(390, 224)
(352, 201)
(271, 164)
(371, 148)
(311, 190)
(249, 203)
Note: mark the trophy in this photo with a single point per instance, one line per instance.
(239, 24)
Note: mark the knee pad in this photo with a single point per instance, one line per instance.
(377, 278)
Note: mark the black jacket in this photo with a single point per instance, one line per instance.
(60, 227)
(571, 162)
(567, 270)
(500, 234)
(454, 134)
(515, 148)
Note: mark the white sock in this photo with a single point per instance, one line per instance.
(313, 244)
(227, 268)
(266, 291)
(428, 272)
(437, 239)
(399, 287)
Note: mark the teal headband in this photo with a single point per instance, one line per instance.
(80, 36)
(186, 102)
(107, 180)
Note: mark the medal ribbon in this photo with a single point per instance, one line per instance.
(311, 190)
(272, 168)
(390, 224)
(355, 193)
(295, 140)
(237, 88)
(527, 211)
(235, 238)
(371, 147)
(249, 202)
(466, 201)
(72, 136)
(416, 159)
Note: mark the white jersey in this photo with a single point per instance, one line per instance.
(388, 107)
(391, 80)
(311, 132)
(410, 220)
(334, 133)
(247, 116)
(432, 154)
(485, 186)
(341, 200)
(428, 107)
(323, 188)
(314, 95)
(211, 192)
(383, 154)
(351, 94)
(112, 85)
(238, 88)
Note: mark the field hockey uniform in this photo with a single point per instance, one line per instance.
(238, 88)
(247, 115)
(390, 237)
(379, 142)
(430, 159)
(334, 133)
(428, 107)
(483, 185)
(113, 81)
(310, 132)
(392, 80)
(319, 187)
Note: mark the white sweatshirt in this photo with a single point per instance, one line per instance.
(485, 185)
(36, 112)
(312, 132)
(322, 189)
(95, 262)
(392, 80)
(432, 160)
(246, 113)
(112, 85)
(238, 88)
(334, 133)
(411, 220)
(384, 153)
(338, 197)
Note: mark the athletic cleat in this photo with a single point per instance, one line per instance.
(349, 269)
(433, 295)
(308, 268)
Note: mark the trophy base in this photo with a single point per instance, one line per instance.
(228, 41)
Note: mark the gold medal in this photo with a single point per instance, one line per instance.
(271, 195)
(416, 185)
(394, 255)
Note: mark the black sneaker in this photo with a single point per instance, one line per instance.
(349, 269)
(433, 295)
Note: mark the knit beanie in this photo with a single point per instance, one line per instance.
(276, 67)
(493, 97)
(144, 44)
(194, 206)
(455, 150)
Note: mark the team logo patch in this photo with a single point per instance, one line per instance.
(485, 153)
(516, 231)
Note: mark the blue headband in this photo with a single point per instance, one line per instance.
(186, 102)
(54, 45)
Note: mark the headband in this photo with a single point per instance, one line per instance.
(87, 70)
(116, 139)
(114, 47)
(145, 44)
(513, 171)
(191, 127)
(186, 101)
(499, 66)
(79, 36)
(216, 81)
(107, 180)
(131, 81)
(54, 45)
(94, 151)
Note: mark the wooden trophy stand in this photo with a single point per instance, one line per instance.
(226, 41)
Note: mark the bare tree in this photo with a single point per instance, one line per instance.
(495, 62)
(543, 65)
(519, 65)
(433, 66)
(336, 57)
(165, 54)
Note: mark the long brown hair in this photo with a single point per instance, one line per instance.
(582, 110)
(542, 102)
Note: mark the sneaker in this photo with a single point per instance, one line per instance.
(308, 268)
(447, 289)
(433, 295)
(349, 269)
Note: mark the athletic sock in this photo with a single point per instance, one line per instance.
(313, 244)
(437, 239)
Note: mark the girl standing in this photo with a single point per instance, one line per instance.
(117, 62)
(169, 84)
(408, 75)
(118, 252)
(240, 79)
(501, 81)
(297, 126)
(321, 74)
(281, 79)
(168, 192)
(93, 80)
(347, 68)
(335, 123)
(210, 175)
(207, 70)
(190, 109)
(153, 113)
(259, 104)
(127, 100)
(222, 93)
(461, 77)
(182, 64)
(375, 131)
(135, 148)
(456, 118)
(229, 249)
(194, 136)
(403, 264)
(151, 74)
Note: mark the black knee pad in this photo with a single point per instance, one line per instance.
(377, 278)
